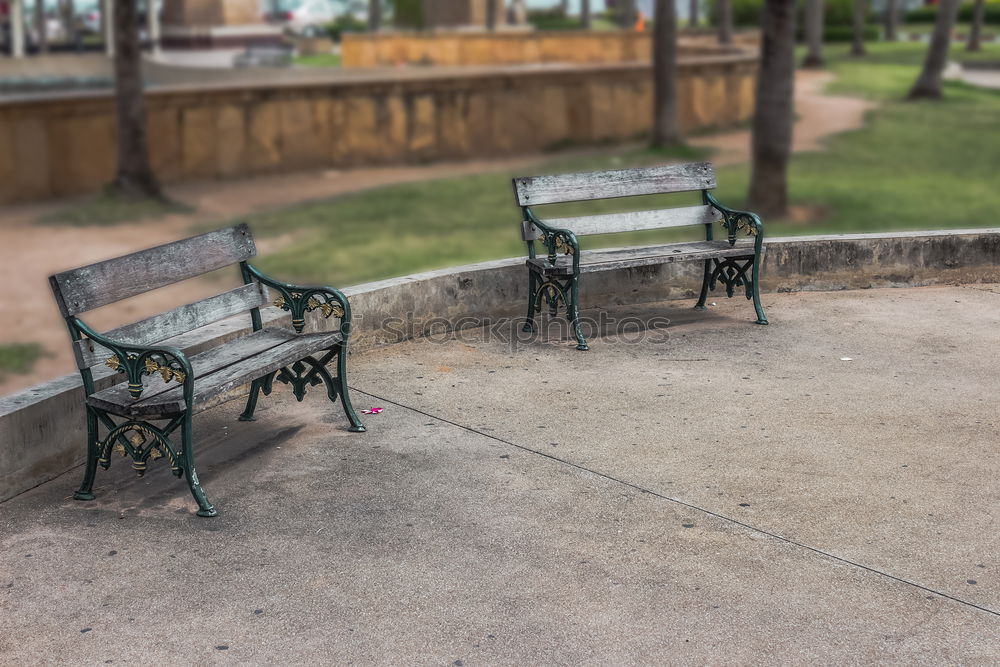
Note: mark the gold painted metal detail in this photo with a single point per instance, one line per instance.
(280, 302)
(165, 371)
(115, 364)
(744, 223)
(327, 309)
(561, 245)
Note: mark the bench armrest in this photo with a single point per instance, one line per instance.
(301, 299)
(138, 360)
(738, 220)
(555, 240)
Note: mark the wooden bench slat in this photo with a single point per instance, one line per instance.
(174, 322)
(115, 279)
(594, 261)
(665, 179)
(632, 221)
(216, 372)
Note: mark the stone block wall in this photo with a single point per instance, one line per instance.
(65, 145)
(508, 48)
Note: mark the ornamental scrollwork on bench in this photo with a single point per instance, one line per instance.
(738, 222)
(557, 243)
(150, 363)
(299, 303)
(732, 272)
(552, 291)
(139, 441)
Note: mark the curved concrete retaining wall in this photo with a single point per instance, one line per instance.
(42, 429)
(58, 145)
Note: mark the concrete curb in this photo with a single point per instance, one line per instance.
(42, 429)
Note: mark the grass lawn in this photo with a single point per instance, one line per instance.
(108, 208)
(319, 60)
(926, 165)
(18, 357)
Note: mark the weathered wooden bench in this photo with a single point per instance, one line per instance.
(162, 387)
(555, 276)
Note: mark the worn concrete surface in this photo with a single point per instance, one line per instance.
(718, 492)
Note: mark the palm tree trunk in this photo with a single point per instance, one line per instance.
(68, 16)
(135, 176)
(628, 16)
(891, 20)
(374, 15)
(41, 27)
(725, 18)
(772, 121)
(858, 44)
(666, 125)
(693, 14)
(975, 34)
(814, 34)
(585, 14)
(928, 84)
(491, 15)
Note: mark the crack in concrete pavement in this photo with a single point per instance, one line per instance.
(617, 480)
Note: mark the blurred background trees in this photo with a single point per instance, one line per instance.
(928, 84)
(666, 123)
(773, 114)
(134, 177)
(813, 29)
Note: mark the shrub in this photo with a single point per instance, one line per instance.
(746, 12)
(928, 14)
(408, 14)
(836, 12)
(925, 14)
(841, 13)
(845, 33)
(344, 23)
(552, 19)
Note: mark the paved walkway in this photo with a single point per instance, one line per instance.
(986, 78)
(719, 493)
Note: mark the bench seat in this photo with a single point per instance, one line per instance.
(619, 258)
(216, 372)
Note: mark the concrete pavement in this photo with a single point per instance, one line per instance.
(823, 489)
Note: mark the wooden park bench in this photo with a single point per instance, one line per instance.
(555, 276)
(161, 387)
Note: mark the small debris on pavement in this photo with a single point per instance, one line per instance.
(372, 411)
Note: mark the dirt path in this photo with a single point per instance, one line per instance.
(29, 252)
(819, 117)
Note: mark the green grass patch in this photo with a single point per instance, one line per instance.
(18, 358)
(916, 165)
(402, 229)
(319, 60)
(110, 208)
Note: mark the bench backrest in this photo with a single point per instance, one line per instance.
(666, 179)
(89, 287)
